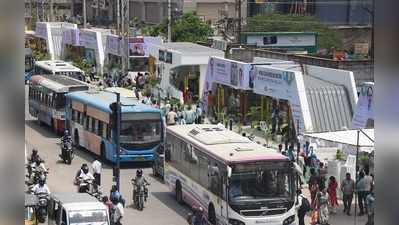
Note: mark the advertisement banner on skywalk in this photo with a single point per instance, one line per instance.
(138, 46)
(282, 84)
(229, 72)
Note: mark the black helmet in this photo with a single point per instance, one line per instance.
(34, 151)
(66, 132)
(85, 169)
(42, 181)
(139, 173)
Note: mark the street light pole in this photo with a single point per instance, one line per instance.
(169, 21)
(84, 14)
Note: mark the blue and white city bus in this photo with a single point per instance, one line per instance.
(88, 117)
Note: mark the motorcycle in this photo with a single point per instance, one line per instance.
(85, 186)
(140, 195)
(36, 175)
(42, 207)
(67, 151)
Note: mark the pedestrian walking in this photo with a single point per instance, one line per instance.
(171, 117)
(361, 193)
(347, 188)
(198, 119)
(303, 206)
(189, 115)
(322, 206)
(368, 184)
(97, 167)
(210, 104)
(93, 72)
(370, 207)
(332, 192)
(313, 185)
(118, 211)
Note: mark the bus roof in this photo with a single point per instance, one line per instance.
(58, 83)
(58, 66)
(122, 91)
(102, 99)
(224, 144)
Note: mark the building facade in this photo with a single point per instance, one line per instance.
(334, 12)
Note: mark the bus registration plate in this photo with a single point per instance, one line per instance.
(140, 158)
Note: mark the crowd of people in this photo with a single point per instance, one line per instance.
(323, 191)
(182, 114)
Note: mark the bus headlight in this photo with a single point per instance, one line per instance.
(236, 222)
(289, 220)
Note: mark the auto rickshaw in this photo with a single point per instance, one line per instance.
(31, 202)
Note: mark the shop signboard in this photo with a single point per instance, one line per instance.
(138, 46)
(229, 72)
(283, 84)
(88, 39)
(41, 30)
(365, 106)
(113, 45)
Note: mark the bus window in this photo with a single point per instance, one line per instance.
(60, 101)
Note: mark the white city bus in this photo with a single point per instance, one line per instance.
(58, 67)
(236, 181)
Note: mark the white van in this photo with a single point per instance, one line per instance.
(75, 209)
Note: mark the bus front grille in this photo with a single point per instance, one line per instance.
(263, 212)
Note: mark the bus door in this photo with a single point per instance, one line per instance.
(218, 187)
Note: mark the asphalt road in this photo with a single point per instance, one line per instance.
(161, 207)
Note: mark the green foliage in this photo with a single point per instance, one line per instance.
(275, 22)
(187, 28)
(339, 155)
(39, 55)
(83, 65)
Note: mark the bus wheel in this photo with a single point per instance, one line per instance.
(76, 139)
(211, 214)
(179, 194)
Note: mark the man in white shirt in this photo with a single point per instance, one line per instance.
(171, 117)
(41, 188)
(118, 211)
(97, 167)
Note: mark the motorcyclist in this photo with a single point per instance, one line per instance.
(84, 165)
(85, 176)
(140, 180)
(34, 157)
(67, 136)
(41, 188)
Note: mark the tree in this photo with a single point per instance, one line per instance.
(186, 28)
(326, 39)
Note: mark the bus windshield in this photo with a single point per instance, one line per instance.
(266, 180)
(94, 217)
(139, 133)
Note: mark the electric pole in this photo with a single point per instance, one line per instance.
(118, 15)
(51, 10)
(238, 7)
(169, 21)
(84, 14)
